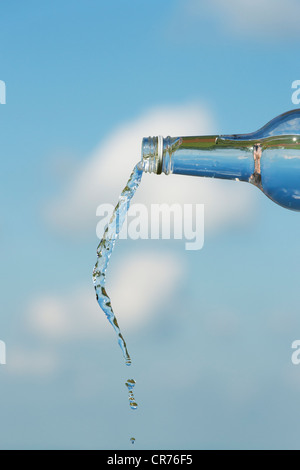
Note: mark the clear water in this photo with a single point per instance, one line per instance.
(105, 249)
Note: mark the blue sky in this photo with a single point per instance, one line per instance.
(210, 332)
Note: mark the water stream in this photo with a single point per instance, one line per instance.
(104, 251)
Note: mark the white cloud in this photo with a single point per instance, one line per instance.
(105, 173)
(30, 362)
(64, 316)
(131, 285)
(254, 18)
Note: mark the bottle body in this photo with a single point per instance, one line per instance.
(268, 158)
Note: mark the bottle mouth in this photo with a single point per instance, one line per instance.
(152, 154)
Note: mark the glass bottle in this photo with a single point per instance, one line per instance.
(268, 158)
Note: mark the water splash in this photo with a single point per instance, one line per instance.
(105, 249)
(130, 384)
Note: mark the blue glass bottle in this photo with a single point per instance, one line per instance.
(268, 158)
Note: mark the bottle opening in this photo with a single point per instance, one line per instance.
(152, 154)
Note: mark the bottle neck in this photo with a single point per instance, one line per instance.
(226, 157)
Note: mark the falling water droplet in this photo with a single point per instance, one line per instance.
(130, 384)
